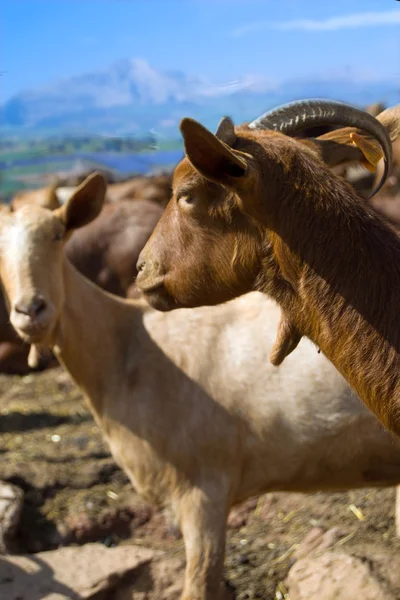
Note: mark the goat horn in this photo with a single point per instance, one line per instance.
(298, 115)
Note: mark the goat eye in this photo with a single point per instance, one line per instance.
(186, 199)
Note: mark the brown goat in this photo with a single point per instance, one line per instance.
(256, 209)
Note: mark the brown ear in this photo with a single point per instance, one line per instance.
(85, 204)
(210, 156)
(349, 145)
(226, 131)
(370, 148)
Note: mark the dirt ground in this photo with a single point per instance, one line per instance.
(74, 493)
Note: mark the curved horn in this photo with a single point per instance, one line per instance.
(298, 115)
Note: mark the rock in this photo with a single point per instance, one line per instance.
(162, 579)
(318, 539)
(82, 527)
(386, 567)
(333, 576)
(239, 515)
(71, 573)
(11, 503)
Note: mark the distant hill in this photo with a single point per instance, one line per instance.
(132, 97)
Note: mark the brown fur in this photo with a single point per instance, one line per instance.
(270, 215)
(106, 250)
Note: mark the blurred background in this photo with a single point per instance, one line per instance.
(105, 82)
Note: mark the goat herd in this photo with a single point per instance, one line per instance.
(193, 404)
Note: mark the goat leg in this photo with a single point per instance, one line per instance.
(203, 523)
(287, 338)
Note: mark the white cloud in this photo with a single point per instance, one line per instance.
(366, 19)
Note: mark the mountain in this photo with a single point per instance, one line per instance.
(132, 97)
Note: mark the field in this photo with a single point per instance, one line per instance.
(75, 493)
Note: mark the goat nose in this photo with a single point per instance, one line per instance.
(32, 308)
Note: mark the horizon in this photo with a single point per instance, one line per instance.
(312, 40)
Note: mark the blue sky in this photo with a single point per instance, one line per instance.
(44, 40)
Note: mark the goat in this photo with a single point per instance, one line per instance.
(191, 408)
(105, 251)
(256, 209)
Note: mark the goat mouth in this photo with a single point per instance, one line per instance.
(32, 331)
(31, 338)
(159, 298)
(157, 285)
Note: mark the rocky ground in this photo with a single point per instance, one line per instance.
(78, 504)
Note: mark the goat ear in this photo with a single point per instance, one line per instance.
(226, 131)
(371, 150)
(50, 200)
(85, 203)
(210, 156)
(348, 145)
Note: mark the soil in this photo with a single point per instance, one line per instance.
(75, 493)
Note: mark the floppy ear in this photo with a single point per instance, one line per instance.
(85, 204)
(210, 156)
